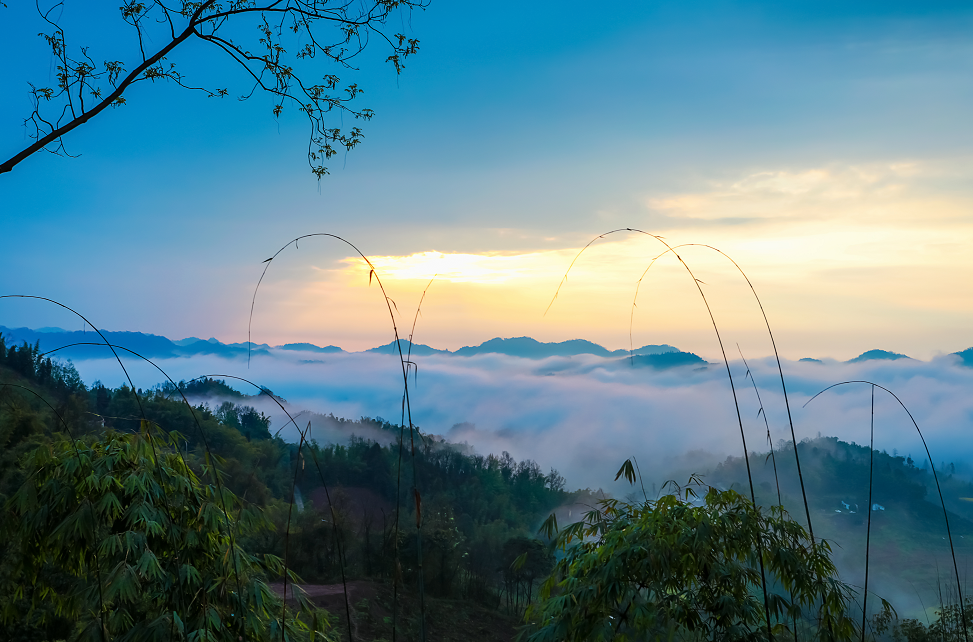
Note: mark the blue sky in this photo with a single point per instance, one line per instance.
(825, 145)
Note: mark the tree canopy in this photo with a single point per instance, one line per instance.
(122, 538)
(689, 568)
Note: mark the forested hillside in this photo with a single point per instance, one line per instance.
(479, 513)
(909, 550)
(343, 513)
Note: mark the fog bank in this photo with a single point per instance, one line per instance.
(584, 414)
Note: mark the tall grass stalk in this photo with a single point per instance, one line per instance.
(763, 312)
(762, 412)
(398, 477)
(868, 527)
(403, 361)
(327, 493)
(631, 315)
(935, 476)
(729, 374)
(773, 458)
(287, 529)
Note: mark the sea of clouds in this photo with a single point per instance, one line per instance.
(584, 415)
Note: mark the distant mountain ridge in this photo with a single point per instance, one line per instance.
(418, 349)
(872, 355)
(309, 347)
(534, 349)
(154, 347)
(70, 344)
(65, 343)
(526, 348)
(966, 356)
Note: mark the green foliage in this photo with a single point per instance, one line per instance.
(837, 470)
(121, 536)
(473, 505)
(61, 379)
(947, 627)
(255, 469)
(525, 563)
(906, 540)
(250, 423)
(688, 568)
(205, 387)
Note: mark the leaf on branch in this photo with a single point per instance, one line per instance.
(549, 527)
(272, 69)
(628, 470)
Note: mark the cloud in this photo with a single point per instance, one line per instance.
(829, 192)
(489, 268)
(585, 415)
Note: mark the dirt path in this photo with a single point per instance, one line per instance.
(371, 608)
(315, 590)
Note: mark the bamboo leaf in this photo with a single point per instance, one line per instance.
(628, 470)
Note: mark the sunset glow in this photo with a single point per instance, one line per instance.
(487, 269)
(829, 157)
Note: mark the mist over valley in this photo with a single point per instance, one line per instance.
(572, 405)
(579, 410)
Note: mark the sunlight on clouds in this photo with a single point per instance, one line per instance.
(474, 297)
(845, 257)
(614, 259)
(609, 260)
(467, 268)
(889, 192)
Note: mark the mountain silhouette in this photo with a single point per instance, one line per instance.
(873, 355)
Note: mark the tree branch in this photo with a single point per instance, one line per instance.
(44, 141)
(272, 68)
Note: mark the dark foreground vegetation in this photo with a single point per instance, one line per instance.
(132, 515)
(119, 489)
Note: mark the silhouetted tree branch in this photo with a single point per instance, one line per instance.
(315, 30)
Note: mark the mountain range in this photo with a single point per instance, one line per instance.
(81, 344)
(526, 348)
(88, 345)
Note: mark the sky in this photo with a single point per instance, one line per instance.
(824, 146)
